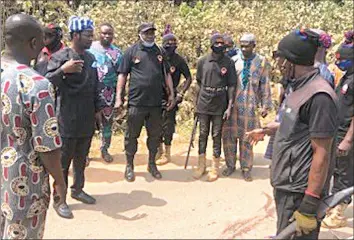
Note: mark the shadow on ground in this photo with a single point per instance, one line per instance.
(115, 204)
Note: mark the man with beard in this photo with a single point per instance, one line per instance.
(216, 78)
(108, 57)
(304, 144)
(253, 92)
(149, 77)
(73, 71)
(30, 141)
(178, 66)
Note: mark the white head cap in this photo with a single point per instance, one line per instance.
(248, 37)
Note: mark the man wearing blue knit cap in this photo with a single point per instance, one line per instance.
(73, 71)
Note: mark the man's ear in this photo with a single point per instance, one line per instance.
(33, 43)
(76, 35)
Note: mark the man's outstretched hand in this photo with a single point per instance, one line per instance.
(255, 136)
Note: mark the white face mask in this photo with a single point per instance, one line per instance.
(145, 43)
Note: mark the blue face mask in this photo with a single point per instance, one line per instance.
(344, 65)
(232, 52)
(145, 43)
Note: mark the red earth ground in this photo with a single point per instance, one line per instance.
(175, 207)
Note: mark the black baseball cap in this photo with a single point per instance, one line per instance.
(145, 27)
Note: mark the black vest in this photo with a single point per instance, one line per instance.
(292, 154)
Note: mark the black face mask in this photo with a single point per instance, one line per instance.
(170, 48)
(51, 46)
(218, 50)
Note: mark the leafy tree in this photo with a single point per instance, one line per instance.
(193, 21)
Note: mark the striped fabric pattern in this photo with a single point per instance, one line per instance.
(78, 24)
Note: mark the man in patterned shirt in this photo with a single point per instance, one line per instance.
(253, 91)
(30, 142)
(108, 57)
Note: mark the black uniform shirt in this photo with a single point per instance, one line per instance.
(214, 75)
(147, 80)
(79, 93)
(178, 66)
(292, 155)
(345, 93)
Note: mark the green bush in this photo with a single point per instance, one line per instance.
(193, 23)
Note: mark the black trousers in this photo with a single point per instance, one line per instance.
(137, 118)
(343, 174)
(286, 204)
(168, 126)
(75, 149)
(204, 129)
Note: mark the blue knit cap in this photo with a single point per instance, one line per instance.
(78, 24)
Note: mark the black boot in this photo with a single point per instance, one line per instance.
(129, 170)
(152, 167)
(106, 156)
(228, 171)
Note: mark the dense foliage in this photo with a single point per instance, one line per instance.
(193, 21)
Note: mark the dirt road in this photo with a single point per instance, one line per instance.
(177, 206)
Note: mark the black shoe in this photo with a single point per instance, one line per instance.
(106, 156)
(228, 171)
(247, 175)
(154, 172)
(129, 173)
(63, 211)
(83, 197)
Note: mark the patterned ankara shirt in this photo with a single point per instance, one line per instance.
(250, 95)
(108, 61)
(28, 127)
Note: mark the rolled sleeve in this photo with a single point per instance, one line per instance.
(126, 62)
(322, 118)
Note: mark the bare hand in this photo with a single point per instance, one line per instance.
(119, 103)
(227, 114)
(255, 136)
(264, 113)
(171, 103)
(344, 147)
(72, 66)
(60, 194)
